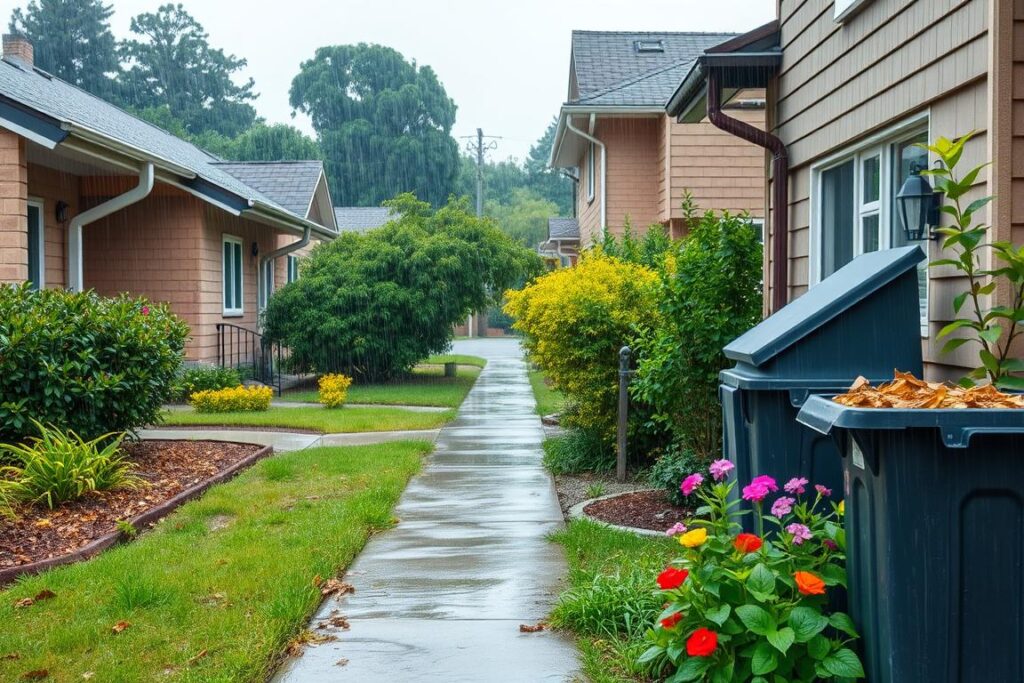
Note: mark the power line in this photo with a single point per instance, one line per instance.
(477, 147)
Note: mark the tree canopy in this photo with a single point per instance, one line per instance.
(384, 124)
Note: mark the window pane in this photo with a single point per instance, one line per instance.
(228, 278)
(905, 157)
(35, 258)
(872, 180)
(836, 218)
(238, 276)
(869, 233)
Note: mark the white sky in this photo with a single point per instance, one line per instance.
(504, 63)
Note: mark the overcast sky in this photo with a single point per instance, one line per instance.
(504, 63)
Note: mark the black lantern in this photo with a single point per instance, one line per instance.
(918, 206)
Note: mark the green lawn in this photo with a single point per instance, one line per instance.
(425, 386)
(549, 399)
(612, 599)
(317, 419)
(216, 590)
(460, 358)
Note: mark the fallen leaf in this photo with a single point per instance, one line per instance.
(12, 655)
(334, 622)
(24, 602)
(37, 675)
(44, 595)
(120, 626)
(336, 588)
(341, 662)
(214, 600)
(307, 637)
(43, 523)
(526, 628)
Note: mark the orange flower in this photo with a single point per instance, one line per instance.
(809, 584)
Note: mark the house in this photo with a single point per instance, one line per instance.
(92, 197)
(362, 219)
(852, 87)
(633, 162)
(561, 247)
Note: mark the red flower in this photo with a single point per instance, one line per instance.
(809, 584)
(747, 543)
(145, 310)
(672, 578)
(702, 643)
(671, 620)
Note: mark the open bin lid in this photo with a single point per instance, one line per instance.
(862, 320)
(957, 425)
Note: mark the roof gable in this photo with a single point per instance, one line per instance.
(289, 183)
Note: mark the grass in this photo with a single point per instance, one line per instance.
(612, 598)
(459, 358)
(217, 589)
(425, 386)
(549, 399)
(316, 419)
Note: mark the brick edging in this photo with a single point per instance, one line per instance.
(140, 521)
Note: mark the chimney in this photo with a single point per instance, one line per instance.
(18, 49)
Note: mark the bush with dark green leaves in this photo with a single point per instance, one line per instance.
(579, 450)
(204, 378)
(674, 465)
(83, 362)
(372, 305)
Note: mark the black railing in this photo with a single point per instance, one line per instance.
(248, 352)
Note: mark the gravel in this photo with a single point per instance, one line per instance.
(573, 489)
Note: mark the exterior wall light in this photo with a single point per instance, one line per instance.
(918, 206)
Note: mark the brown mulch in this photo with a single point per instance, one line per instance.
(643, 510)
(166, 468)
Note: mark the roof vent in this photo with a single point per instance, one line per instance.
(18, 48)
(649, 46)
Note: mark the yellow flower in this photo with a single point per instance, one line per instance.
(842, 507)
(694, 538)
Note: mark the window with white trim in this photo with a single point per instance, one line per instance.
(268, 284)
(854, 205)
(293, 269)
(231, 272)
(590, 172)
(36, 245)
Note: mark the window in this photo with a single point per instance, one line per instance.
(590, 172)
(854, 204)
(36, 250)
(232, 275)
(268, 284)
(649, 46)
(293, 268)
(758, 225)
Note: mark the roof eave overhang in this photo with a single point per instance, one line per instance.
(743, 70)
(30, 124)
(556, 159)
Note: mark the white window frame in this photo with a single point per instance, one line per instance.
(880, 144)
(591, 183)
(844, 9)
(292, 269)
(268, 283)
(41, 239)
(229, 311)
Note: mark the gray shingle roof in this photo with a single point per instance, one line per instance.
(563, 228)
(289, 183)
(361, 218)
(69, 104)
(610, 71)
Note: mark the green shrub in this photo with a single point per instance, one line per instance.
(205, 378)
(235, 399)
(674, 465)
(83, 362)
(58, 466)
(578, 450)
(611, 605)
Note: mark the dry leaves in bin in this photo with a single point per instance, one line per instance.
(907, 391)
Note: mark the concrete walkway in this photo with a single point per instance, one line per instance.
(288, 441)
(441, 597)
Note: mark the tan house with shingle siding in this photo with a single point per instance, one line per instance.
(851, 90)
(632, 162)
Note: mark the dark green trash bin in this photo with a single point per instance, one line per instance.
(935, 539)
(863, 320)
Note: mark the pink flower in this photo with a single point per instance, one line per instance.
(796, 485)
(720, 469)
(824, 492)
(145, 310)
(755, 492)
(783, 506)
(690, 483)
(676, 529)
(766, 481)
(800, 533)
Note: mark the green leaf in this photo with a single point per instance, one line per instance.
(954, 344)
(782, 639)
(977, 204)
(806, 622)
(990, 362)
(841, 621)
(844, 663)
(818, 647)
(958, 302)
(765, 659)
(756, 619)
(693, 668)
(724, 672)
(991, 334)
(650, 654)
(718, 614)
(761, 580)
(1010, 382)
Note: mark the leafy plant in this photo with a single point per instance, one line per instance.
(610, 605)
(204, 378)
(59, 465)
(746, 607)
(87, 363)
(595, 490)
(993, 328)
(334, 389)
(578, 450)
(126, 528)
(674, 464)
(237, 399)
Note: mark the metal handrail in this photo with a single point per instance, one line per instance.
(239, 347)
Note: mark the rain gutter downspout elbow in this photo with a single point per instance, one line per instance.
(604, 169)
(136, 194)
(264, 296)
(780, 184)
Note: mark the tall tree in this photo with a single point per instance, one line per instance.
(548, 182)
(384, 124)
(173, 64)
(72, 40)
(276, 142)
(524, 217)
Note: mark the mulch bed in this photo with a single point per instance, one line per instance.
(643, 510)
(167, 468)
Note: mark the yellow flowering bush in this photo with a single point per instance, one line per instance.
(575, 320)
(232, 400)
(334, 390)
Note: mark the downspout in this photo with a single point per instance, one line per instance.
(136, 194)
(604, 167)
(780, 184)
(263, 295)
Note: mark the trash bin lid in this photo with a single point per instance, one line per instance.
(957, 425)
(747, 377)
(847, 287)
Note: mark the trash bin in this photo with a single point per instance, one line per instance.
(935, 538)
(863, 320)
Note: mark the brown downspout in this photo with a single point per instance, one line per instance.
(780, 184)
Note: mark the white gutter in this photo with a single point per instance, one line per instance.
(268, 261)
(136, 194)
(89, 135)
(604, 167)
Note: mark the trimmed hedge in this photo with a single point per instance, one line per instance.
(84, 362)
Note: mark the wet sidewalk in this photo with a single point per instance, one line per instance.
(441, 596)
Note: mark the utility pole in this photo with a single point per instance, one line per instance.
(477, 147)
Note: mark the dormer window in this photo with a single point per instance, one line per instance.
(649, 46)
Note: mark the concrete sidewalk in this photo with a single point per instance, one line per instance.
(441, 597)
